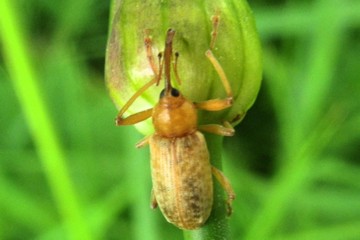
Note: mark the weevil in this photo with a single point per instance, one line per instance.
(180, 166)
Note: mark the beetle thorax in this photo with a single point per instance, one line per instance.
(174, 117)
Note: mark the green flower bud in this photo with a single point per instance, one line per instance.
(237, 49)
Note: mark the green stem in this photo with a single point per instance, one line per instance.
(24, 76)
(217, 226)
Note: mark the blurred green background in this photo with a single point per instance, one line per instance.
(294, 161)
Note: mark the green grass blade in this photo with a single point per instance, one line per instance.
(23, 76)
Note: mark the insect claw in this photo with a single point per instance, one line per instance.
(153, 205)
(229, 132)
(143, 142)
(118, 121)
(153, 202)
(229, 204)
(229, 210)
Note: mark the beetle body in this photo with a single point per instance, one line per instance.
(182, 179)
(180, 165)
(181, 170)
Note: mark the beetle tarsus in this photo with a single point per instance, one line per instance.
(153, 202)
(118, 121)
(143, 142)
(229, 209)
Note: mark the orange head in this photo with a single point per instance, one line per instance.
(173, 116)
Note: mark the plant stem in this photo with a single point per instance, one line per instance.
(217, 226)
(51, 153)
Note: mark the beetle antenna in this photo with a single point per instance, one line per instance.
(167, 59)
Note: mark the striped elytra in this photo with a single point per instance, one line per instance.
(182, 179)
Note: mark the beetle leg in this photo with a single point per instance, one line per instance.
(149, 53)
(120, 119)
(135, 118)
(215, 104)
(225, 183)
(141, 116)
(226, 130)
(215, 21)
(220, 72)
(143, 142)
(153, 202)
(157, 70)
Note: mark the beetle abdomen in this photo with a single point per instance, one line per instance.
(182, 180)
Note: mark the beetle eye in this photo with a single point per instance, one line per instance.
(175, 92)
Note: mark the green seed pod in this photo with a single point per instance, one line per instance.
(237, 48)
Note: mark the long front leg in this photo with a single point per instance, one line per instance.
(217, 104)
(214, 61)
(135, 118)
(220, 72)
(141, 116)
(149, 52)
